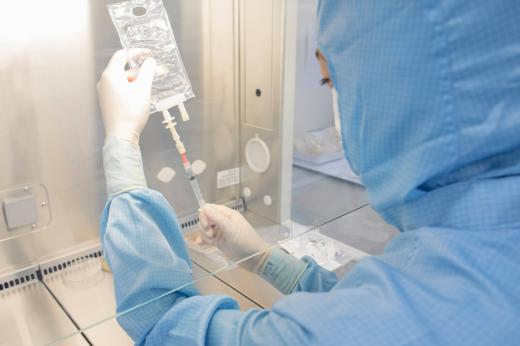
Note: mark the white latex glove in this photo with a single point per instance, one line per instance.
(124, 99)
(232, 234)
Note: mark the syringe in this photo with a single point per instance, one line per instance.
(193, 181)
(170, 124)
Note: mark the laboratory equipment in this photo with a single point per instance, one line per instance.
(170, 124)
(326, 251)
(320, 150)
(144, 25)
(222, 48)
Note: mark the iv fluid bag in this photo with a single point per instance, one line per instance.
(144, 24)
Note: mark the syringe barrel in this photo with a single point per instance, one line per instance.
(197, 192)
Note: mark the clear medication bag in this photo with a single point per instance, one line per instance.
(144, 30)
(144, 24)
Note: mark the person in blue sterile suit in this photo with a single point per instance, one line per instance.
(429, 96)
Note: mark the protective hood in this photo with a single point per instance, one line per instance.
(429, 96)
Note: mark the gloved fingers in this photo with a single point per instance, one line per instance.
(203, 220)
(147, 73)
(206, 227)
(208, 240)
(198, 239)
(138, 55)
(209, 232)
(116, 65)
(131, 75)
(215, 216)
(228, 212)
(201, 239)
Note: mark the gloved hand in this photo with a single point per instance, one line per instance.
(233, 235)
(125, 100)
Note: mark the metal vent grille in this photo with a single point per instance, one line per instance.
(58, 264)
(38, 271)
(19, 278)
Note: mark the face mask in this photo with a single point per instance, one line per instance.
(335, 109)
(337, 123)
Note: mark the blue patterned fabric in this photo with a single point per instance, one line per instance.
(430, 103)
(289, 274)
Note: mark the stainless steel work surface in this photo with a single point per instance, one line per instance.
(363, 229)
(252, 286)
(30, 316)
(90, 304)
(317, 198)
(94, 303)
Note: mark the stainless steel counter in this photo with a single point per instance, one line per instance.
(317, 198)
(96, 302)
(30, 316)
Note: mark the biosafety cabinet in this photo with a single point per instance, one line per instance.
(261, 126)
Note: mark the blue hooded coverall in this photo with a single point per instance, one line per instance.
(429, 95)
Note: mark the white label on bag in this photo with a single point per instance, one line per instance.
(228, 177)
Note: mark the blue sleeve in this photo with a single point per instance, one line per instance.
(147, 255)
(156, 303)
(289, 274)
(145, 249)
(315, 278)
(124, 172)
(391, 300)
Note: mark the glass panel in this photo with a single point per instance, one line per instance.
(336, 245)
(30, 316)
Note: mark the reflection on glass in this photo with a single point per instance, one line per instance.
(84, 273)
(319, 242)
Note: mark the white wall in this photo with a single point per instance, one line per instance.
(313, 103)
